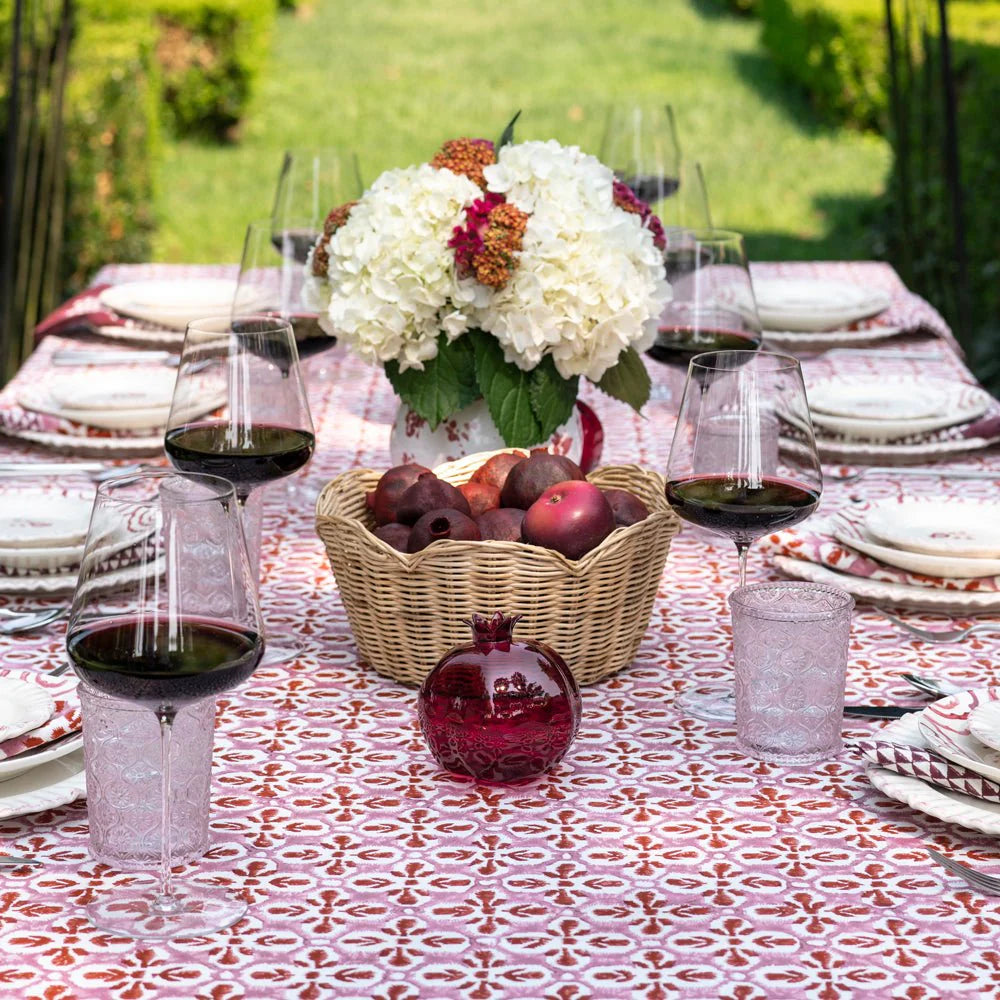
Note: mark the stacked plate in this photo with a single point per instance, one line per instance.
(878, 418)
(964, 729)
(936, 554)
(42, 532)
(41, 746)
(818, 313)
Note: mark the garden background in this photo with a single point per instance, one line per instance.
(828, 129)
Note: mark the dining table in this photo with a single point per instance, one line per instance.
(654, 861)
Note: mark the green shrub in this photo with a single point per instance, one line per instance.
(111, 139)
(835, 50)
(209, 53)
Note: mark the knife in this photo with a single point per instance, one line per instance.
(881, 711)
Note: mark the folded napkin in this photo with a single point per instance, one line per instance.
(926, 765)
(814, 542)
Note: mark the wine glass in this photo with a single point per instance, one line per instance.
(743, 461)
(272, 282)
(641, 146)
(310, 183)
(240, 411)
(165, 613)
(712, 307)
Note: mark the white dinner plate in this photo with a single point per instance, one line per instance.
(953, 567)
(952, 807)
(984, 724)
(45, 787)
(145, 389)
(96, 447)
(890, 414)
(814, 304)
(11, 767)
(37, 518)
(945, 727)
(50, 559)
(900, 594)
(23, 706)
(966, 528)
(171, 303)
(142, 421)
(825, 340)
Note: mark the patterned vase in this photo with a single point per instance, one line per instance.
(472, 430)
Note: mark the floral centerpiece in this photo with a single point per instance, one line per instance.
(498, 271)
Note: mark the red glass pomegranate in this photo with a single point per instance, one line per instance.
(497, 710)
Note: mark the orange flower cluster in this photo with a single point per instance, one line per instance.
(501, 241)
(321, 256)
(466, 157)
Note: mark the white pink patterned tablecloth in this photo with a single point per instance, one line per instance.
(656, 861)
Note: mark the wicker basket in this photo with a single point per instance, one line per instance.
(406, 611)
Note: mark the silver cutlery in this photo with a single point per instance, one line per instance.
(907, 470)
(12, 861)
(30, 621)
(881, 711)
(71, 356)
(933, 686)
(988, 884)
(95, 471)
(940, 634)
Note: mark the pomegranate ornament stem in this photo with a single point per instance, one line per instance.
(497, 709)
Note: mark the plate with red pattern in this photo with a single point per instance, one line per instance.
(945, 726)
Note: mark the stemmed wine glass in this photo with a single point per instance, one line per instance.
(260, 430)
(743, 461)
(713, 306)
(640, 145)
(178, 622)
(310, 183)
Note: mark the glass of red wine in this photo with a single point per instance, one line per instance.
(165, 614)
(640, 145)
(260, 429)
(733, 470)
(712, 307)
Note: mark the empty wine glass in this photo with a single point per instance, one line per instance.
(165, 614)
(310, 183)
(712, 307)
(743, 461)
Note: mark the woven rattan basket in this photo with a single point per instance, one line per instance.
(406, 611)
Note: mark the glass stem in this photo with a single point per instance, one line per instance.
(252, 514)
(742, 548)
(166, 901)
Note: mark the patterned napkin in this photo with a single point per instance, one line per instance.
(814, 542)
(928, 766)
(86, 313)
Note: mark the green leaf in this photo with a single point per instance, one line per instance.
(507, 136)
(446, 384)
(628, 380)
(507, 391)
(552, 396)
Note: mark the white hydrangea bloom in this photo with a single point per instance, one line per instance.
(392, 276)
(589, 281)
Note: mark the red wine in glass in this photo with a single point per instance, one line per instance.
(678, 344)
(247, 456)
(299, 241)
(652, 188)
(738, 508)
(155, 661)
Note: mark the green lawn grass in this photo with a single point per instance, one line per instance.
(392, 78)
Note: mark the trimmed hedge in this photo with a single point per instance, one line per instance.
(836, 51)
(111, 139)
(209, 53)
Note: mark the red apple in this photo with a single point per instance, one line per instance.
(571, 517)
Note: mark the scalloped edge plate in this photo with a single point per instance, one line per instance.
(23, 706)
(56, 783)
(945, 728)
(12, 767)
(984, 724)
(969, 529)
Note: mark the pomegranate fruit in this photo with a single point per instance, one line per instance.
(530, 478)
(571, 517)
(501, 525)
(396, 535)
(499, 710)
(496, 469)
(426, 494)
(436, 525)
(627, 507)
(481, 497)
(382, 501)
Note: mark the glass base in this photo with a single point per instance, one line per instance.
(710, 704)
(787, 758)
(282, 649)
(192, 912)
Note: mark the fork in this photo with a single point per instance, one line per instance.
(989, 884)
(904, 470)
(12, 861)
(940, 634)
(30, 620)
